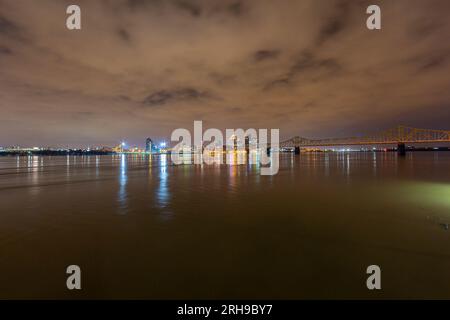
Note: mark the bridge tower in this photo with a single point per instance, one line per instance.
(401, 149)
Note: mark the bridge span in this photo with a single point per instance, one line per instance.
(399, 136)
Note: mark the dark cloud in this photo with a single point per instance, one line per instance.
(235, 109)
(261, 55)
(337, 22)
(236, 8)
(194, 8)
(277, 82)
(163, 97)
(308, 61)
(308, 65)
(434, 62)
(191, 7)
(222, 79)
(5, 50)
(123, 34)
(424, 27)
(7, 26)
(309, 105)
(124, 97)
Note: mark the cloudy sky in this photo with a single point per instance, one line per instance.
(143, 68)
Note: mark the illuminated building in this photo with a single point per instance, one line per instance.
(149, 145)
(118, 148)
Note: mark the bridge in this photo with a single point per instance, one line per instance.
(399, 136)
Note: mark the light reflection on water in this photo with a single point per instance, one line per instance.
(316, 168)
(123, 179)
(33, 170)
(162, 191)
(196, 227)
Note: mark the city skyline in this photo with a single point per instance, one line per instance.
(427, 139)
(141, 69)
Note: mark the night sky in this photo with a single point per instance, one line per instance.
(144, 68)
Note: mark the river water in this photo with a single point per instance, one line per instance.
(141, 227)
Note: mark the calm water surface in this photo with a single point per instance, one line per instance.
(141, 227)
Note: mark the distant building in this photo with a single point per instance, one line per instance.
(149, 146)
(118, 148)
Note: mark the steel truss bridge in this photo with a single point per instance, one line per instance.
(399, 136)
